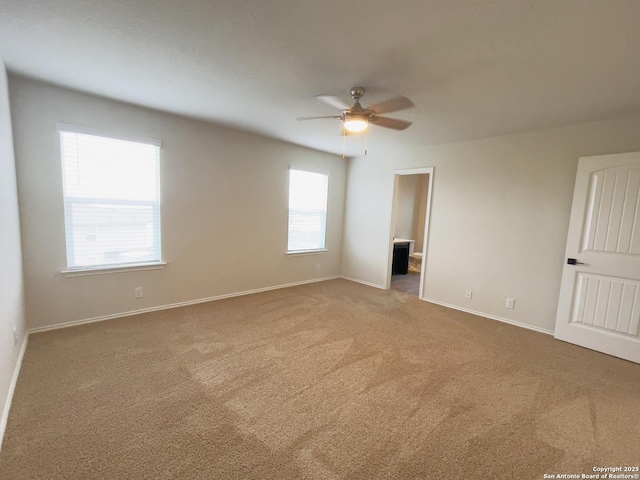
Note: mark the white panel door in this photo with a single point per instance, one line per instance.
(599, 306)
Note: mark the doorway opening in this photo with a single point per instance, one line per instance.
(409, 230)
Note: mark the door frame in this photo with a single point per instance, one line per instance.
(392, 220)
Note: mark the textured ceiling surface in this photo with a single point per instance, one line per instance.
(473, 68)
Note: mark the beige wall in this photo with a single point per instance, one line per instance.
(224, 208)
(407, 207)
(499, 218)
(498, 223)
(422, 211)
(11, 284)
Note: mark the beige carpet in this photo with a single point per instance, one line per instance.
(323, 381)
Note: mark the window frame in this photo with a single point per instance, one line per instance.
(310, 251)
(69, 201)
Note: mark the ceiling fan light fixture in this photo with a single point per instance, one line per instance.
(356, 123)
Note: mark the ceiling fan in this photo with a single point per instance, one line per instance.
(357, 118)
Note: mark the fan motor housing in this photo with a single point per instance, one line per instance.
(357, 116)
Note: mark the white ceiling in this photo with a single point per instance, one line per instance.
(473, 68)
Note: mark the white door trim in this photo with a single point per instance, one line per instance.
(394, 194)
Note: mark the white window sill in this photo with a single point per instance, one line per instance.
(103, 271)
(306, 252)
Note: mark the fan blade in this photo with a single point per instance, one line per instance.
(390, 122)
(316, 118)
(333, 101)
(392, 105)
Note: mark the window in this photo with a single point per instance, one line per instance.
(307, 211)
(111, 200)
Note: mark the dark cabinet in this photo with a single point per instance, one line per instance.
(400, 265)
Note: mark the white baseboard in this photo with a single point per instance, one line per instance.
(369, 284)
(176, 305)
(492, 317)
(12, 387)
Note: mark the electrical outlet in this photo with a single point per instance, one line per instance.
(318, 267)
(468, 294)
(510, 303)
(15, 336)
(138, 292)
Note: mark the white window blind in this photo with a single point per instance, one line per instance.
(307, 211)
(111, 201)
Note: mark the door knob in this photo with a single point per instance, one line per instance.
(573, 261)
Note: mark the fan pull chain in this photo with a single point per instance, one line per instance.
(366, 138)
(344, 141)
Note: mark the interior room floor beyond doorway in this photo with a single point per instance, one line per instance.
(409, 283)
